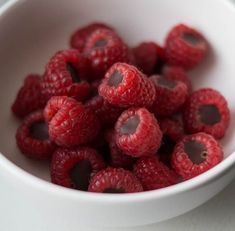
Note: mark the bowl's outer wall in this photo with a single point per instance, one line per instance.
(30, 33)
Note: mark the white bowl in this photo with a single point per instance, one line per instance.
(30, 32)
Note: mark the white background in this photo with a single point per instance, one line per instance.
(216, 215)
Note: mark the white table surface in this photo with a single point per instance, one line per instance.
(216, 215)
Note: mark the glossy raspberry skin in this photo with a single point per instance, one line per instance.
(70, 123)
(187, 168)
(65, 159)
(107, 113)
(111, 50)
(30, 145)
(29, 97)
(135, 89)
(169, 99)
(115, 180)
(65, 74)
(146, 57)
(185, 47)
(153, 174)
(118, 158)
(80, 36)
(177, 73)
(193, 116)
(142, 139)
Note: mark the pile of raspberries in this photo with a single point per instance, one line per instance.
(115, 119)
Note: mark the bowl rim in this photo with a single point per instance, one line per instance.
(30, 180)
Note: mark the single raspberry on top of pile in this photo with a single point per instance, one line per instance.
(104, 48)
(80, 36)
(195, 154)
(138, 133)
(125, 86)
(66, 74)
(70, 123)
(29, 98)
(115, 180)
(185, 47)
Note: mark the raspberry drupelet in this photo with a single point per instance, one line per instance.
(138, 133)
(32, 137)
(104, 48)
(185, 47)
(66, 74)
(125, 86)
(207, 111)
(29, 98)
(70, 123)
(170, 96)
(196, 154)
(74, 167)
(115, 180)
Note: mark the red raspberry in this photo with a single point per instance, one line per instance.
(195, 154)
(170, 96)
(80, 36)
(118, 158)
(138, 133)
(177, 73)
(115, 180)
(104, 48)
(65, 74)
(29, 98)
(70, 123)
(172, 131)
(153, 174)
(207, 111)
(185, 47)
(73, 167)
(107, 113)
(146, 57)
(32, 137)
(125, 86)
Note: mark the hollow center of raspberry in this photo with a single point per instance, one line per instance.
(167, 147)
(130, 126)
(115, 79)
(209, 114)
(100, 43)
(196, 151)
(39, 131)
(168, 83)
(191, 38)
(114, 190)
(73, 72)
(80, 175)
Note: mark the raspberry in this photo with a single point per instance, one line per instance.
(70, 123)
(153, 174)
(32, 137)
(146, 57)
(65, 74)
(196, 154)
(73, 167)
(207, 111)
(170, 96)
(177, 73)
(29, 98)
(172, 131)
(104, 48)
(115, 180)
(185, 47)
(107, 113)
(80, 36)
(118, 158)
(138, 133)
(125, 86)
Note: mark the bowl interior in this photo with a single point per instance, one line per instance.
(32, 31)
